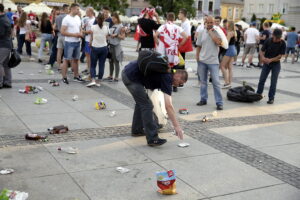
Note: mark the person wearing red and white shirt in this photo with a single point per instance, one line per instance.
(186, 26)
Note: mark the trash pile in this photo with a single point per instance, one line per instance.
(31, 89)
(13, 195)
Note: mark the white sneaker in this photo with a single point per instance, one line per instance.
(91, 84)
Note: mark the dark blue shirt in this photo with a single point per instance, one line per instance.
(152, 81)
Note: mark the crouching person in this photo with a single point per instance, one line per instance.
(143, 121)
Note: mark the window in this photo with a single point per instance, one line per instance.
(210, 6)
(261, 8)
(241, 13)
(251, 8)
(237, 14)
(271, 8)
(200, 5)
(229, 12)
(285, 8)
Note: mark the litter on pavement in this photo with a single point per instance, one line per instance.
(13, 195)
(33, 136)
(183, 144)
(100, 105)
(122, 170)
(58, 129)
(69, 150)
(6, 171)
(39, 101)
(112, 113)
(183, 111)
(166, 181)
(75, 98)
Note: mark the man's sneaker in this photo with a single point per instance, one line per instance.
(157, 142)
(78, 79)
(234, 63)
(271, 101)
(86, 71)
(251, 64)
(201, 103)
(40, 61)
(240, 64)
(91, 84)
(248, 66)
(175, 89)
(219, 107)
(6, 86)
(226, 86)
(65, 80)
(108, 79)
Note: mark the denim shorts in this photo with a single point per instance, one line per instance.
(72, 50)
(290, 49)
(87, 48)
(231, 51)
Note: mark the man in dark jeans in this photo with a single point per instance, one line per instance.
(271, 53)
(5, 49)
(143, 121)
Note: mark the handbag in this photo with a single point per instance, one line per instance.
(15, 58)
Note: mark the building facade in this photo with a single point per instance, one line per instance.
(229, 9)
(48, 3)
(290, 10)
(135, 7)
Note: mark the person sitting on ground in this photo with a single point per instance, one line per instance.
(143, 119)
(271, 53)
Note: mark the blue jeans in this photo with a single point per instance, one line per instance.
(21, 42)
(275, 68)
(45, 38)
(143, 117)
(72, 50)
(214, 72)
(98, 54)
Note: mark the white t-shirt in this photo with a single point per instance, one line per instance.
(251, 33)
(199, 28)
(186, 26)
(88, 26)
(23, 30)
(74, 25)
(99, 35)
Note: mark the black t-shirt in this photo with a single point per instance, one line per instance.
(267, 34)
(152, 81)
(238, 37)
(148, 25)
(273, 49)
(46, 27)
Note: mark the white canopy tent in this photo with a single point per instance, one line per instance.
(37, 8)
(243, 24)
(9, 4)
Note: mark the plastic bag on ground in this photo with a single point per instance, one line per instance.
(122, 170)
(6, 171)
(243, 94)
(13, 195)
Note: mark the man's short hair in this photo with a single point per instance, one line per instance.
(1, 7)
(170, 16)
(9, 9)
(106, 8)
(225, 21)
(293, 28)
(266, 24)
(183, 11)
(277, 33)
(219, 18)
(74, 5)
(65, 6)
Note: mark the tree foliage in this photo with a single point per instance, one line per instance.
(114, 5)
(174, 6)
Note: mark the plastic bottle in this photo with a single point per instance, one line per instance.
(70, 150)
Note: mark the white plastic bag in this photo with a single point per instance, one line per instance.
(159, 108)
(223, 37)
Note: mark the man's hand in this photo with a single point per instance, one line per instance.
(179, 132)
(79, 35)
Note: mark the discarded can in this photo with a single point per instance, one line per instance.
(183, 111)
(6, 171)
(75, 98)
(58, 129)
(100, 105)
(69, 150)
(205, 119)
(40, 101)
(122, 170)
(31, 136)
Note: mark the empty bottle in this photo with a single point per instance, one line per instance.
(31, 136)
(70, 150)
(58, 129)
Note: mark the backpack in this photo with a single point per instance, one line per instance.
(243, 94)
(151, 62)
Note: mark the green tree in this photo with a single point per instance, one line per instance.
(114, 5)
(174, 6)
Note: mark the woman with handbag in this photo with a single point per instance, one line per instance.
(47, 34)
(117, 33)
(24, 36)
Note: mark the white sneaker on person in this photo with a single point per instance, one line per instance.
(226, 86)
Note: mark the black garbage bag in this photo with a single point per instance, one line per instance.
(243, 94)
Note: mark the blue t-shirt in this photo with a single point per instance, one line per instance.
(152, 81)
(9, 16)
(292, 39)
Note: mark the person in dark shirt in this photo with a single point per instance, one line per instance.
(147, 26)
(47, 34)
(5, 49)
(271, 53)
(238, 29)
(143, 121)
(264, 35)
